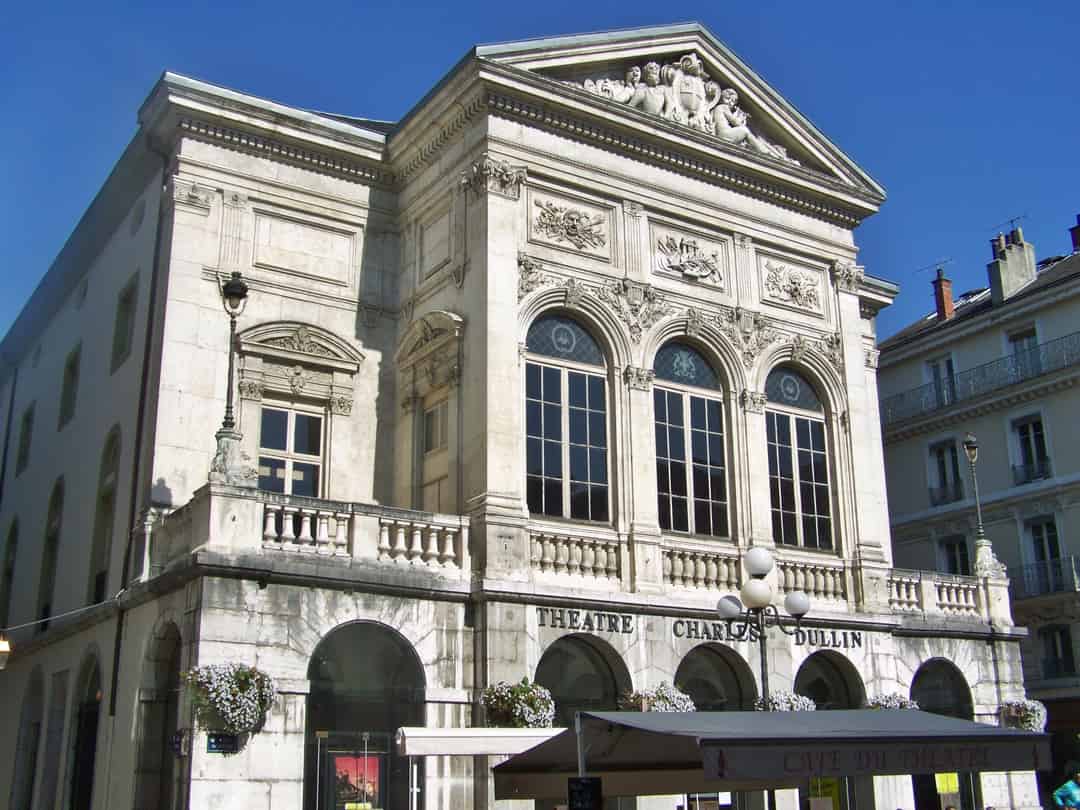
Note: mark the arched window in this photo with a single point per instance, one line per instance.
(583, 674)
(28, 742)
(104, 519)
(798, 464)
(7, 576)
(717, 679)
(50, 552)
(84, 747)
(690, 464)
(566, 422)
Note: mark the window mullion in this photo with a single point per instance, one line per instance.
(688, 437)
(564, 422)
(796, 448)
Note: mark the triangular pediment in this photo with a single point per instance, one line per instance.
(682, 77)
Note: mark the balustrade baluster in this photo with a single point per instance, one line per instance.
(667, 567)
(562, 555)
(384, 539)
(612, 561)
(305, 539)
(401, 550)
(431, 552)
(710, 572)
(448, 557)
(288, 528)
(573, 560)
(547, 563)
(341, 533)
(416, 547)
(270, 523)
(588, 559)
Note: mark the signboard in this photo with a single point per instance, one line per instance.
(584, 793)
(591, 621)
(219, 743)
(700, 629)
(788, 763)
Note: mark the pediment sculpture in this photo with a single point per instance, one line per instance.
(684, 93)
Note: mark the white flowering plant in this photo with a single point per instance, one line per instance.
(1026, 714)
(518, 705)
(892, 700)
(784, 701)
(230, 697)
(664, 697)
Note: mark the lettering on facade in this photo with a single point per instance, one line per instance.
(590, 621)
(701, 630)
(837, 639)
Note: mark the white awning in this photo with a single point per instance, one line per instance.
(413, 741)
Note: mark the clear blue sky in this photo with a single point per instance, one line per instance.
(967, 112)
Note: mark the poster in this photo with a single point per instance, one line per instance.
(356, 782)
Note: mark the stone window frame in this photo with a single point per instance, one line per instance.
(283, 363)
(69, 387)
(127, 301)
(26, 438)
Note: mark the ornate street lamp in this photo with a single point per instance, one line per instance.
(234, 294)
(760, 614)
(228, 466)
(986, 564)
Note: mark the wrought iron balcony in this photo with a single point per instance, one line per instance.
(946, 494)
(1036, 471)
(1045, 358)
(1061, 575)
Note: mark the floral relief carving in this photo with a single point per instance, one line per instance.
(638, 305)
(488, 174)
(792, 286)
(565, 224)
(847, 276)
(251, 389)
(530, 275)
(682, 92)
(685, 256)
(752, 401)
(639, 378)
(341, 404)
(831, 347)
(300, 341)
(749, 331)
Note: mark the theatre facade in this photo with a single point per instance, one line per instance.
(519, 381)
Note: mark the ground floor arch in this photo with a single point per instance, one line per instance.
(583, 673)
(940, 687)
(157, 771)
(31, 717)
(716, 678)
(366, 681)
(87, 711)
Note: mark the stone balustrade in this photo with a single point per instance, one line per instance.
(432, 542)
(935, 592)
(818, 580)
(558, 553)
(304, 528)
(688, 568)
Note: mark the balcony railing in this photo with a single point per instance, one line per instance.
(946, 494)
(1026, 473)
(1061, 575)
(1001, 373)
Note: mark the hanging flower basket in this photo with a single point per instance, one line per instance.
(784, 701)
(519, 705)
(1029, 715)
(663, 697)
(892, 700)
(230, 697)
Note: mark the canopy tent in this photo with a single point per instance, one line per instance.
(656, 753)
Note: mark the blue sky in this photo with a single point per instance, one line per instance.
(966, 112)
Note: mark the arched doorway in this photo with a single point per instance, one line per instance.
(939, 687)
(84, 748)
(583, 674)
(832, 682)
(26, 750)
(717, 679)
(366, 682)
(156, 783)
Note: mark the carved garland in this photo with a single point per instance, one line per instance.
(565, 224)
(638, 305)
(750, 332)
(792, 286)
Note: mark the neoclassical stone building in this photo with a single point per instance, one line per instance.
(520, 379)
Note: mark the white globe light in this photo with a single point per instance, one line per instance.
(797, 604)
(759, 561)
(729, 607)
(756, 593)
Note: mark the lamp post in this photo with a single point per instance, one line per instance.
(986, 564)
(228, 466)
(759, 615)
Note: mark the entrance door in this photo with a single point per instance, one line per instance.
(939, 687)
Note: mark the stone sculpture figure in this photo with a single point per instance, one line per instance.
(729, 123)
(652, 97)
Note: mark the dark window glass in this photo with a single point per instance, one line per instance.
(305, 479)
(684, 365)
(308, 438)
(786, 387)
(564, 338)
(274, 431)
(800, 464)
(271, 474)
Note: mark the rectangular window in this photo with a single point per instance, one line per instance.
(954, 555)
(798, 481)
(945, 484)
(26, 436)
(1033, 461)
(943, 378)
(690, 474)
(124, 326)
(1057, 651)
(435, 428)
(1049, 576)
(69, 390)
(566, 443)
(290, 452)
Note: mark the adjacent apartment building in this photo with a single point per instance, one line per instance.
(518, 381)
(1001, 363)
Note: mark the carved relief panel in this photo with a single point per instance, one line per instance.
(691, 257)
(570, 224)
(791, 283)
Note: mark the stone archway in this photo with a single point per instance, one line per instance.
(157, 768)
(939, 687)
(27, 744)
(717, 679)
(366, 682)
(583, 673)
(84, 745)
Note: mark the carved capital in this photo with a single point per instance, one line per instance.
(530, 275)
(846, 276)
(743, 242)
(752, 401)
(870, 357)
(341, 404)
(639, 378)
(192, 196)
(867, 310)
(632, 208)
(496, 176)
(251, 389)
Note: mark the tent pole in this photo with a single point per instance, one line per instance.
(580, 745)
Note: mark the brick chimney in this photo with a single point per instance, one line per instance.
(1013, 266)
(943, 295)
(1074, 232)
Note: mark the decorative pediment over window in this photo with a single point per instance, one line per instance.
(427, 355)
(292, 359)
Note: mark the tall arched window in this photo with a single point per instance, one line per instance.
(50, 552)
(798, 462)
(7, 576)
(566, 422)
(690, 465)
(104, 519)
